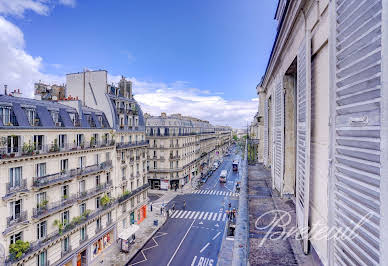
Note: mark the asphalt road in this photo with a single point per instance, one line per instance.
(193, 235)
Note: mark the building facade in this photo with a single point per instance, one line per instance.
(73, 175)
(323, 102)
(181, 148)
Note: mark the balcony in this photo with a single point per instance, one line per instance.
(124, 145)
(83, 240)
(47, 180)
(128, 195)
(94, 191)
(12, 189)
(17, 218)
(66, 252)
(49, 208)
(27, 150)
(51, 238)
(98, 229)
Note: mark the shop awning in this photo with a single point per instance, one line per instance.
(127, 233)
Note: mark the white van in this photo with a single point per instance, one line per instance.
(215, 166)
(223, 175)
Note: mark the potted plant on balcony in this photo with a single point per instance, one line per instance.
(105, 200)
(18, 248)
(59, 225)
(43, 204)
(92, 142)
(86, 213)
(54, 146)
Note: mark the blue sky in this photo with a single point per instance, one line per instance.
(176, 50)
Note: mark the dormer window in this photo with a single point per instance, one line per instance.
(55, 117)
(100, 120)
(5, 113)
(74, 119)
(31, 114)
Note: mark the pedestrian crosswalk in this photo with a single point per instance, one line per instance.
(216, 193)
(199, 215)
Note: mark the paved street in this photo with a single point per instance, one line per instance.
(193, 235)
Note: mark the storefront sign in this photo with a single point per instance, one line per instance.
(164, 184)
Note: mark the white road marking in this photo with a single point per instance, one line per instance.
(193, 263)
(196, 215)
(215, 217)
(187, 215)
(216, 235)
(175, 214)
(210, 216)
(204, 247)
(205, 215)
(200, 216)
(191, 216)
(219, 216)
(144, 249)
(180, 244)
(223, 218)
(183, 214)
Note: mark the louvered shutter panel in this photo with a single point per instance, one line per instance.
(303, 88)
(357, 130)
(266, 133)
(278, 147)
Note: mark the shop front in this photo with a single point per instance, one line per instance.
(154, 183)
(141, 214)
(101, 244)
(174, 183)
(132, 218)
(82, 258)
(164, 184)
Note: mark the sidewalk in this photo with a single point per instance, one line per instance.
(266, 251)
(112, 256)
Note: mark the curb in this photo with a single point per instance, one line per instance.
(222, 242)
(241, 238)
(146, 240)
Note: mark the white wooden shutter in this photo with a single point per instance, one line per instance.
(266, 133)
(357, 133)
(278, 147)
(303, 88)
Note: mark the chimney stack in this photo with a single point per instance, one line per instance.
(5, 89)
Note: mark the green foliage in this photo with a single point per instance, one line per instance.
(18, 248)
(235, 137)
(59, 225)
(105, 200)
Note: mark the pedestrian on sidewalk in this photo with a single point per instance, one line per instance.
(151, 206)
(161, 210)
(176, 187)
(173, 207)
(184, 204)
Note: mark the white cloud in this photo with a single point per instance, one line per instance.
(41, 7)
(70, 3)
(18, 69)
(160, 97)
(18, 7)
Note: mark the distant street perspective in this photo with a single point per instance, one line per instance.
(196, 221)
(193, 133)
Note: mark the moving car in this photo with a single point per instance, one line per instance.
(223, 175)
(215, 166)
(235, 165)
